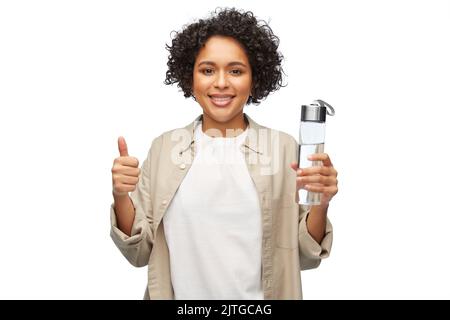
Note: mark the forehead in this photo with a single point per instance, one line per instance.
(222, 49)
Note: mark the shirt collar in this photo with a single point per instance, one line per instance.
(250, 144)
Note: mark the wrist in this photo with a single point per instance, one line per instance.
(119, 195)
(320, 209)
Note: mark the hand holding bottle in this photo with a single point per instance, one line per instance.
(320, 179)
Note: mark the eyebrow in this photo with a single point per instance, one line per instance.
(233, 63)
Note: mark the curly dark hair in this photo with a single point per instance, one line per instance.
(255, 36)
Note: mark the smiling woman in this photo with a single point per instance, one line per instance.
(220, 229)
(222, 83)
(255, 37)
(224, 63)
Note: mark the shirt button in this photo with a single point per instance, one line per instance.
(182, 166)
(164, 202)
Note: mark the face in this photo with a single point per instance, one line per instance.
(222, 82)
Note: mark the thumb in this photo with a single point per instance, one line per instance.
(294, 166)
(123, 149)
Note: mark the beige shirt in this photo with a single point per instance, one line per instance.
(287, 247)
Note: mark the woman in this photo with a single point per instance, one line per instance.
(213, 210)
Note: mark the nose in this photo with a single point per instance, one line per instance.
(221, 81)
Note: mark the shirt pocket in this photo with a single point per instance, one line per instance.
(286, 211)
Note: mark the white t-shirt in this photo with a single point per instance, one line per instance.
(213, 225)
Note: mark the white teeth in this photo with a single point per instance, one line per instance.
(221, 101)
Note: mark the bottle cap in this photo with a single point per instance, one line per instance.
(316, 111)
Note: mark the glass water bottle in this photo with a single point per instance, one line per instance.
(312, 140)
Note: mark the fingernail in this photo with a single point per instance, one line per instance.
(309, 157)
(299, 171)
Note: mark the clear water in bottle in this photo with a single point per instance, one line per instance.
(307, 197)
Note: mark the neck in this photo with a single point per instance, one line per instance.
(234, 126)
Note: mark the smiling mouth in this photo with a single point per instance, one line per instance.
(221, 101)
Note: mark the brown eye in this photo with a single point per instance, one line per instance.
(236, 72)
(207, 71)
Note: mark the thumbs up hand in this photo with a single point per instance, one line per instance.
(125, 171)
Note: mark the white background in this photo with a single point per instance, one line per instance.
(74, 75)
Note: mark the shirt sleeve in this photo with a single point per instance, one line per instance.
(137, 247)
(311, 252)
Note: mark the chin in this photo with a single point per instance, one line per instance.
(222, 115)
